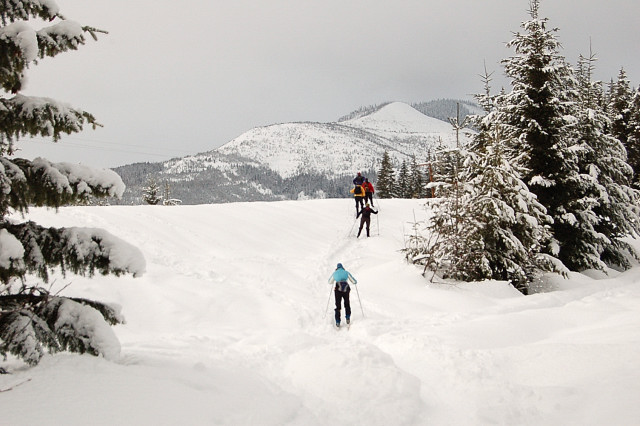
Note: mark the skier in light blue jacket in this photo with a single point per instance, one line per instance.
(341, 278)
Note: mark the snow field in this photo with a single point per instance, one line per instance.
(228, 327)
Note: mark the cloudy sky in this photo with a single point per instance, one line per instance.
(174, 78)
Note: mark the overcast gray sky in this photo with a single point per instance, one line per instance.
(174, 78)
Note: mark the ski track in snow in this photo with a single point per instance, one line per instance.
(229, 326)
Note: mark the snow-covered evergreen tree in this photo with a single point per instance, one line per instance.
(445, 247)
(505, 227)
(543, 185)
(417, 177)
(537, 112)
(446, 169)
(31, 319)
(151, 192)
(491, 226)
(607, 176)
(385, 185)
(633, 140)
(403, 183)
(622, 108)
(619, 107)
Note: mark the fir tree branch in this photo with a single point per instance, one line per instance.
(62, 37)
(14, 10)
(33, 116)
(82, 251)
(25, 183)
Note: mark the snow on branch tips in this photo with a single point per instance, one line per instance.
(63, 36)
(90, 244)
(43, 183)
(38, 116)
(11, 254)
(11, 10)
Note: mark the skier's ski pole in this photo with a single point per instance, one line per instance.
(352, 226)
(359, 301)
(328, 300)
(378, 220)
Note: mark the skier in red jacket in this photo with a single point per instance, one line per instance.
(368, 192)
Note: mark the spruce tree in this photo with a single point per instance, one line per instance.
(491, 226)
(31, 319)
(445, 248)
(403, 184)
(619, 107)
(385, 185)
(537, 113)
(417, 179)
(446, 166)
(607, 176)
(151, 192)
(633, 140)
(505, 227)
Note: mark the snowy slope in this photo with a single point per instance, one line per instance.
(294, 148)
(345, 147)
(399, 120)
(228, 327)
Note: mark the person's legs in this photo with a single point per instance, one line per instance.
(347, 305)
(338, 296)
(368, 221)
(361, 225)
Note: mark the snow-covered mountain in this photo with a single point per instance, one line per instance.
(346, 147)
(283, 161)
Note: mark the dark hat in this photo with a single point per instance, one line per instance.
(339, 266)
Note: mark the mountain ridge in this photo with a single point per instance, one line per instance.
(296, 159)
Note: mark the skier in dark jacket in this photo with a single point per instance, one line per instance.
(359, 180)
(366, 218)
(341, 291)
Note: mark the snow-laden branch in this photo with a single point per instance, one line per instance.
(79, 179)
(31, 323)
(61, 37)
(12, 10)
(82, 251)
(25, 183)
(22, 45)
(38, 116)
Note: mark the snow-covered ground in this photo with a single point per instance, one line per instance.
(228, 327)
